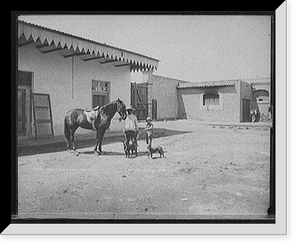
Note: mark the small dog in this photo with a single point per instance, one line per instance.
(152, 150)
(130, 149)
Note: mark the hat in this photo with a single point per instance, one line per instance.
(130, 108)
(148, 119)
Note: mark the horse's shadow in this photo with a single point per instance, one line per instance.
(156, 157)
(104, 153)
(112, 153)
(48, 145)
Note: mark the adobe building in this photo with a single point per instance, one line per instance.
(57, 72)
(164, 94)
(213, 101)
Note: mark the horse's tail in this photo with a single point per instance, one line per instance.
(67, 132)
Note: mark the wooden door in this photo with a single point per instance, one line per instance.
(24, 80)
(154, 109)
(42, 115)
(21, 111)
(139, 100)
(99, 100)
(246, 110)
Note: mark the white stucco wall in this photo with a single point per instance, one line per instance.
(52, 74)
(191, 104)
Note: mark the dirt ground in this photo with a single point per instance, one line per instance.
(207, 172)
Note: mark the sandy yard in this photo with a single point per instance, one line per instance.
(207, 172)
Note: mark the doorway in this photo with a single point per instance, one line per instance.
(99, 100)
(139, 100)
(24, 81)
(100, 93)
(246, 110)
(154, 109)
(21, 111)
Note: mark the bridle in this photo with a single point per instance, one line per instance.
(121, 109)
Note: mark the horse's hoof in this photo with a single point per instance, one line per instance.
(96, 153)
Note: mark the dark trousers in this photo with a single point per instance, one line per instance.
(149, 139)
(130, 135)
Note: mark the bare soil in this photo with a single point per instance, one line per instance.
(207, 172)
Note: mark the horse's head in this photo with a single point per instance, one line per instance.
(121, 109)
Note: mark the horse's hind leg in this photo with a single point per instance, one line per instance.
(72, 137)
(67, 132)
(68, 142)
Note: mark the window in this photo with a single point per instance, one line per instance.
(210, 99)
(100, 93)
(99, 86)
(261, 96)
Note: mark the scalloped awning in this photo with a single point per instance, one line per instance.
(35, 33)
(191, 85)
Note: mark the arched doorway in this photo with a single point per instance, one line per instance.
(261, 100)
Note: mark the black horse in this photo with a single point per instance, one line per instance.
(79, 118)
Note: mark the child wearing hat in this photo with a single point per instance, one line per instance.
(149, 131)
(131, 126)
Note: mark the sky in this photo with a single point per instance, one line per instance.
(194, 48)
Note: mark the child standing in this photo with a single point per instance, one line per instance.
(149, 131)
(131, 126)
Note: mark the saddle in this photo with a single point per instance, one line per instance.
(91, 114)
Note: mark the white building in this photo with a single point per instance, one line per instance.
(73, 72)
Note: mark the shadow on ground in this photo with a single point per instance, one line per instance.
(84, 142)
(111, 153)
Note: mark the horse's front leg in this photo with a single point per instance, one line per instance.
(101, 136)
(97, 141)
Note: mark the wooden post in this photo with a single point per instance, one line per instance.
(73, 77)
